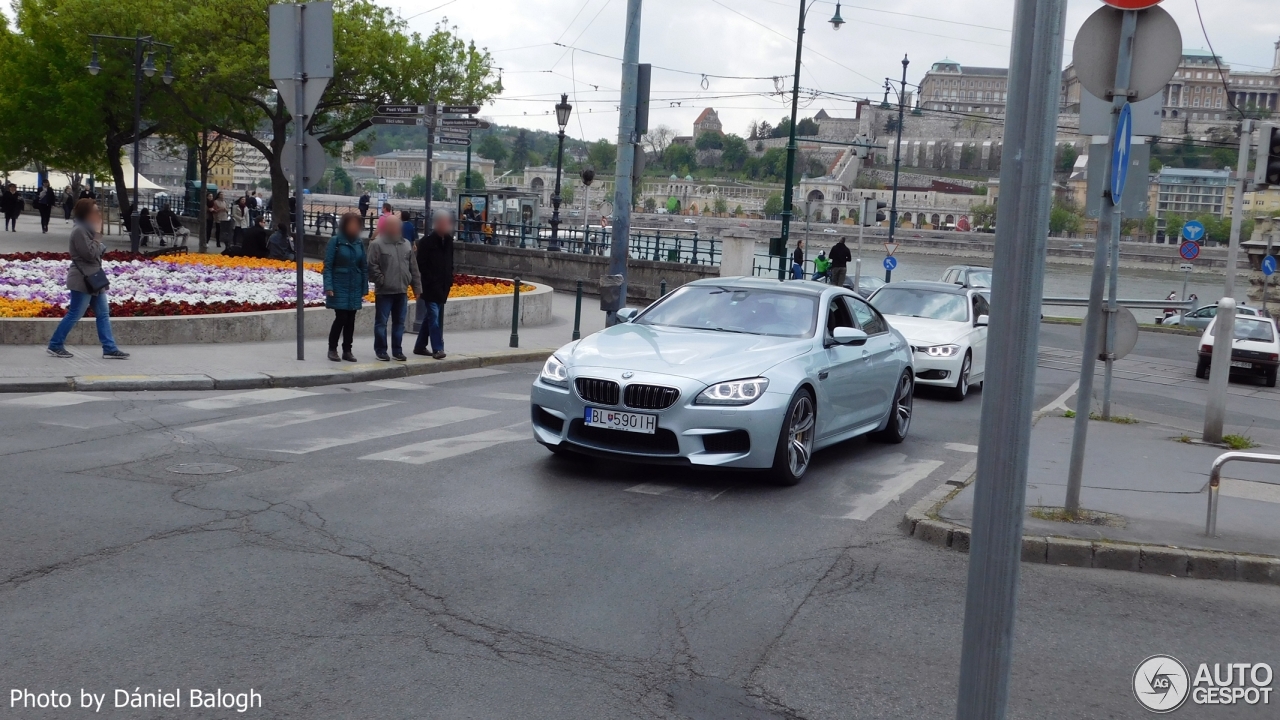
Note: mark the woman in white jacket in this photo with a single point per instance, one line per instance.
(240, 219)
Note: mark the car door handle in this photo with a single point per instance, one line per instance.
(823, 375)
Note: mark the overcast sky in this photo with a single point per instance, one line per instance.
(756, 38)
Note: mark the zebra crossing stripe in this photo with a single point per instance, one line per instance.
(253, 397)
(441, 448)
(383, 427)
(51, 400)
(227, 428)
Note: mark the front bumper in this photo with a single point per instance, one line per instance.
(939, 371)
(705, 435)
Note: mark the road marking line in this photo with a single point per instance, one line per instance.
(253, 397)
(685, 493)
(890, 490)
(51, 400)
(393, 426)
(961, 447)
(468, 374)
(276, 420)
(1061, 402)
(442, 448)
(507, 396)
(398, 385)
(1250, 490)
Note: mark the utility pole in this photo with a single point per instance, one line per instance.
(897, 157)
(299, 171)
(788, 188)
(1108, 227)
(1026, 179)
(433, 115)
(610, 302)
(1215, 410)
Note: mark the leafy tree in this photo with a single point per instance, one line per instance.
(477, 180)
(520, 151)
(1063, 218)
(721, 206)
(984, 215)
(491, 147)
(658, 139)
(567, 194)
(673, 205)
(400, 190)
(603, 155)
(439, 191)
(1067, 160)
(650, 204)
(418, 187)
(737, 211)
(709, 141)
(1173, 223)
(735, 153)
(773, 205)
(680, 159)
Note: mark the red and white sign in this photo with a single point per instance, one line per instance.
(890, 248)
(1132, 4)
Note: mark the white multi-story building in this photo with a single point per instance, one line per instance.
(447, 166)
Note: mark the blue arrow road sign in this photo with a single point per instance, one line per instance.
(1193, 231)
(1120, 153)
(1269, 265)
(890, 263)
(1189, 250)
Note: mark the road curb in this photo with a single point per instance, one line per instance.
(1171, 330)
(922, 522)
(360, 372)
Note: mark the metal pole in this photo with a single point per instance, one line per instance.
(299, 170)
(577, 314)
(1182, 312)
(626, 161)
(1215, 410)
(1266, 281)
(897, 158)
(787, 188)
(135, 232)
(1112, 310)
(554, 245)
(1026, 176)
(515, 314)
(1106, 219)
(431, 119)
(862, 229)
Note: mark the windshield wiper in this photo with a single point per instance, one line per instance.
(730, 330)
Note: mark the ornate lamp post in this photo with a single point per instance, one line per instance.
(563, 108)
(144, 63)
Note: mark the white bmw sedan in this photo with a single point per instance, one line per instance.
(947, 327)
(729, 372)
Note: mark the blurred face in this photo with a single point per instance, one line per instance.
(351, 228)
(392, 227)
(442, 224)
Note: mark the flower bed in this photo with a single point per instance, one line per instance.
(34, 284)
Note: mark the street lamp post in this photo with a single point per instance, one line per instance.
(897, 158)
(144, 63)
(787, 190)
(563, 108)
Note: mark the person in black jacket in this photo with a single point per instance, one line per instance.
(45, 201)
(11, 205)
(797, 261)
(435, 264)
(840, 257)
(253, 242)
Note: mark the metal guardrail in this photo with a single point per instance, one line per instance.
(679, 246)
(1151, 304)
(1215, 480)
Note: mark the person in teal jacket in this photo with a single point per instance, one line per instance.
(346, 282)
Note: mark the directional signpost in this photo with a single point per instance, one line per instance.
(1120, 152)
(1189, 250)
(1193, 232)
(890, 263)
(395, 120)
(1269, 265)
(402, 109)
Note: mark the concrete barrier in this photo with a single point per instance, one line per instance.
(470, 313)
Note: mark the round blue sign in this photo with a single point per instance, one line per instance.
(1269, 265)
(1189, 250)
(890, 262)
(1193, 230)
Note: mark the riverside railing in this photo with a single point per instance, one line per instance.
(679, 246)
(1215, 480)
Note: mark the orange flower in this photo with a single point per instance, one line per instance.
(230, 261)
(10, 308)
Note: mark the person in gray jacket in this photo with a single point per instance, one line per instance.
(393, 270)
(86, 261)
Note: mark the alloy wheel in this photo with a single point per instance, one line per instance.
(904, 404)
(800, 435)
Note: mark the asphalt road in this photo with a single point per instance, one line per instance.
(403, 549)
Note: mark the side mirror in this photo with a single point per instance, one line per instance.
(849, 336)
(982, 321)
(626, 315)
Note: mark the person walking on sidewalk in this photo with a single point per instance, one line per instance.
(68, 202)
(346, 280)
(44, 203)
(87, 283)
(394, 270)
(240, 223)
(435, 265)
(797, 261)
(222, 218)
(840, 257)
(11, 205)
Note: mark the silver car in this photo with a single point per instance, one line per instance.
(729, 372)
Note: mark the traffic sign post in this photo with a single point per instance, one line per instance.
(1186, 277)
(1120, 152)
(1189, 250)
(890, 263)
(1268, 270)
(395, 120)
(402, 109)
(1193, 231)
(1269, 265)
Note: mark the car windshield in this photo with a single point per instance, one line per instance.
(869, 284)
(736, 310)
(980, 278)
(1250, 329)
(917, 302)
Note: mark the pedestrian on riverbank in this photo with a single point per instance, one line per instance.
(87, 282)
(346, 280)
(44, 203)
(210, 212)
(407, 228)
(241, 223)
(363, 205)
(821, 266)
(797, 261)
(393, 269)
(280, 245)
(222, 218)
(169, 224)
(435, 266)
(68, 202)
(11, 205)
(840, 257)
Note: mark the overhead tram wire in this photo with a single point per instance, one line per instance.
(583, 32)
(1221, 75)
(677, 70)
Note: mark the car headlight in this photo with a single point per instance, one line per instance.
(939, 351)
(554, 372)
(733, 392)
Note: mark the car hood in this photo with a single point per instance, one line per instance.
(706, 356)
(925, 331)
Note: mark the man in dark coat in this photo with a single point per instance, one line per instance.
(11, 206)
(435, 265)
(254, 240)
(840, 257)
(364, 205)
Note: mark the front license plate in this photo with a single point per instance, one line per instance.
(1239, 364)
(616, 420)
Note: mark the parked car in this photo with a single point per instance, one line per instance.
(947, 327)
(967, 276)
(729, 372)
(1255, 350)
(690, 221)
(1201, 317)
(867, 284)
(830, 231)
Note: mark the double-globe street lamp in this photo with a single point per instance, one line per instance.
(563, 108)
(836, 21)
(144, 64)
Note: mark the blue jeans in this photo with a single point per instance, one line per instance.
(395, 306)
(797, 271)
(80, 302)
(432, 329)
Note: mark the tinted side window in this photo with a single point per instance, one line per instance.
(838, 316)
(868, 319)
(980, 306)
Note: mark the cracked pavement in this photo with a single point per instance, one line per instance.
(507, 583)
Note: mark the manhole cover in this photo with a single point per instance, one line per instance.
(202, 469)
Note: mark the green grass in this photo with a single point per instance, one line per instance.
(1239, 442)
(1184, 439)
(1119, 419)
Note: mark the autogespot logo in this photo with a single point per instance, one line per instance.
(1161, 683)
